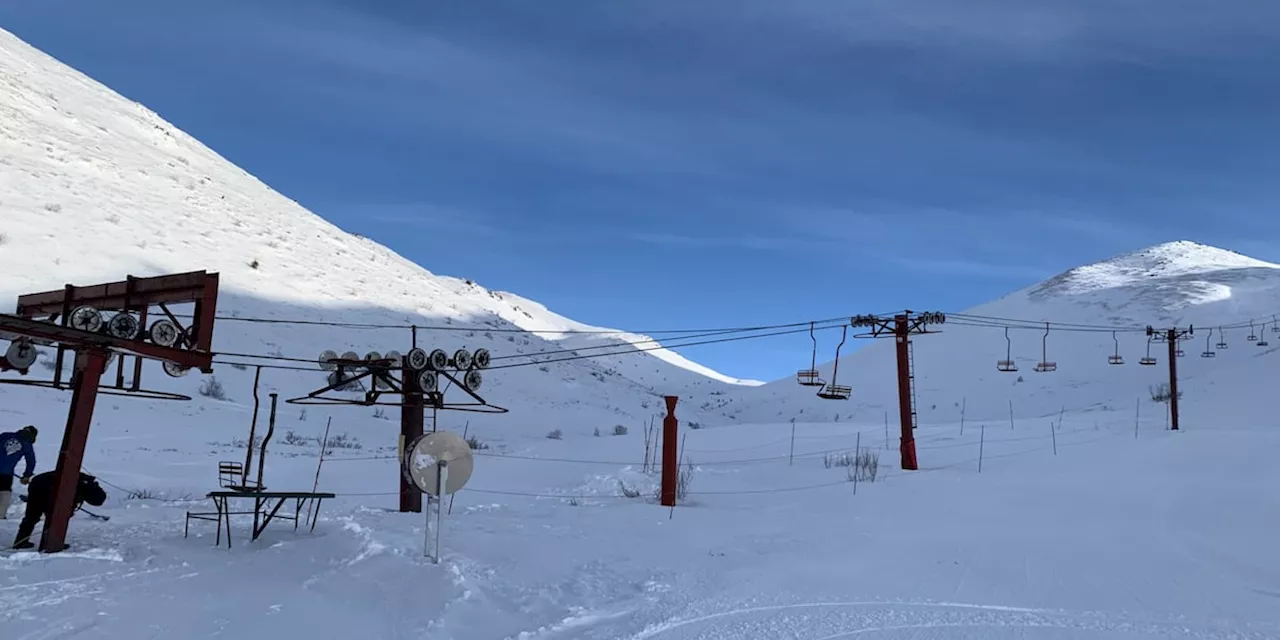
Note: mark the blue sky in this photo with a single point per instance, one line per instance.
(665, 164)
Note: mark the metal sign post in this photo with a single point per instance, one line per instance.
(442, 480)
(437, 464)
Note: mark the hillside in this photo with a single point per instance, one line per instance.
(95, 186)
(1178, 283)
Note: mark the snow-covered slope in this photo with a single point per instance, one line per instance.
(94, 186)
(1178, 283)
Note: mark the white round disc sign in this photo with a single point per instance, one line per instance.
(422, 457)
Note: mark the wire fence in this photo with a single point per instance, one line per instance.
(1057, 438)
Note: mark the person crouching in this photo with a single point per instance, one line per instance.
(40, 502)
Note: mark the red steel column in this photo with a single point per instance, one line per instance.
(670, 453)
(88, 370)
(411, 420)
(908, 445)
(1172, 339)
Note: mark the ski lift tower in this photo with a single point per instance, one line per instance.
(1171, 337)
(901, 327)
(414, 382)
(95, 322)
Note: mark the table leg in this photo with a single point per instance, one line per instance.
(258, 531)
(225, 510)
(316, 516)
(218, 507)
(257, 506)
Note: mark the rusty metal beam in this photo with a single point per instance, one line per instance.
(88, 369)
(140, 293)
(206, 311)
(75, 338)
(412, 419)
(670, 454)
(906, 402)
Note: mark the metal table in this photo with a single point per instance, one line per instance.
(261, 517)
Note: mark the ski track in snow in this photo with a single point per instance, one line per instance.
(884, 619)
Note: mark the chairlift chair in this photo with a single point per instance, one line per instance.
(1177, 349)
(1222, 340)
(1044, 365)
(1007, 364)
(1251, 337)
(809, 377)
(1148, 360)
(1275, 325)
(831, 390)
(1115, 358)
(1262, 341)
(231, 476)
(1208, 353)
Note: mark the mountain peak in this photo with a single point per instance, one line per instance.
(1177, 260)
(1186, 255)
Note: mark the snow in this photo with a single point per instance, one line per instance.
(1083, 517)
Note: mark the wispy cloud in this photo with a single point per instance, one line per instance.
(972, 268)
(755, 243)
(1079, 29)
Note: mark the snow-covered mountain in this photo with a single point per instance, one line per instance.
(94, 186)
(1174, 284)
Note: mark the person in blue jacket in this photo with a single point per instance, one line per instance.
(15, 446)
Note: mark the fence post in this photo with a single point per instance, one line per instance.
(792, 456)
(982, 439)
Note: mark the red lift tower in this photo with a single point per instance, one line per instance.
(76, 319)
(901, 327)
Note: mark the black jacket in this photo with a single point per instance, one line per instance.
(40, 491)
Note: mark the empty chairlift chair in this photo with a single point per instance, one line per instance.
(1252, 337)
(1208, 353)
(1045, 365)
(231, 475)
(1147, 360)
(833, 391)
(1222, 340)
(1007, 364)
(809, 377)
(1262, 340)
(1115, 357)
